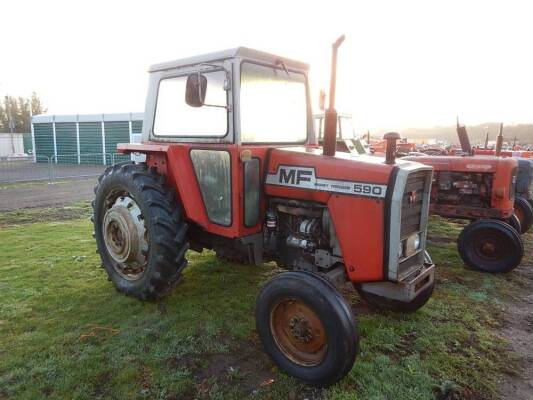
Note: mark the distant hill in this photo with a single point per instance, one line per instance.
(523, 133)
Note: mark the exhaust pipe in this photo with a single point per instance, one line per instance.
(463, 138)
(390, 154)
(330, 116)
(487, 140)
(499, 142)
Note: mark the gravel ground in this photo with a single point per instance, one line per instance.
(42, 194)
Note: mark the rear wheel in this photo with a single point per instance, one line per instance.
(385, 304)
(524, 213)
(490, 246)
(139, 231)
(307, 328)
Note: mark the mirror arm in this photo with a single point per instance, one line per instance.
(228, 107)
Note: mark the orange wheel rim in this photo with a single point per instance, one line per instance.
(298, 332)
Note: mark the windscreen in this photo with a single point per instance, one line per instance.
(273, 105)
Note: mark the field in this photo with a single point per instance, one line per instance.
(66, 333)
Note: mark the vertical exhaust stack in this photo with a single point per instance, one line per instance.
(499, 142)
(390, 154)
(463, 138)
(330, 116)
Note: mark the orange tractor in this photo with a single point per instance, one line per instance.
(227, 168)
(480, 189)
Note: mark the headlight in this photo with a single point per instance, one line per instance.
(412, 244)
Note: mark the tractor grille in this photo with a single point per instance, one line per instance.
(413, 208)
(412, 202)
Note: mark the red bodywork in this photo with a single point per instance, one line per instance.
(379, 147)
(362, 249)
(503, 171)
(504, 153)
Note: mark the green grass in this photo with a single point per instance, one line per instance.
(65, 332)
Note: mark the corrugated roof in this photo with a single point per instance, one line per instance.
(47, 118)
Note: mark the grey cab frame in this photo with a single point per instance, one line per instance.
(230, 61)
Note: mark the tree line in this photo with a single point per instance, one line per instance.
(15, 112)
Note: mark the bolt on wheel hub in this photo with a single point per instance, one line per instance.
(125, 237)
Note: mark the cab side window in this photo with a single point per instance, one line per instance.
(174, 117)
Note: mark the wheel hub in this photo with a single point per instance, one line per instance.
(299, 327)
(298, 332)
(489, 248)
(125, 237)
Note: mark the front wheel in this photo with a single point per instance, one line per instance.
(307, 328)
(490, 246)
(524, 213)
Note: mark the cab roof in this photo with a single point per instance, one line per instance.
(239, 52)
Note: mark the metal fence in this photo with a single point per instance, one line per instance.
(51, 169)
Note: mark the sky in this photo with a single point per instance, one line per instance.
(404, 63)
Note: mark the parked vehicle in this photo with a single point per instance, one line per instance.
(480, 189)
(227, 169)
(347, 140)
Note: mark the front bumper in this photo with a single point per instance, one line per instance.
(409, 287)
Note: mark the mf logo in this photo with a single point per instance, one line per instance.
(294, 176)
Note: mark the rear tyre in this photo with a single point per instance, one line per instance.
(307, 328)
(524, 213)
(490, 246)
(139, 230)
(385, 304)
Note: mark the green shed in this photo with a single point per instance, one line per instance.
(82, 139)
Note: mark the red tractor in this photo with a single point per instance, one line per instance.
(227, 169)
(480, 189)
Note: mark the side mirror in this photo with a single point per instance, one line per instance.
(195, 90)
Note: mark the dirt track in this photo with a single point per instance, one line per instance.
(518, 329)
(45, 195)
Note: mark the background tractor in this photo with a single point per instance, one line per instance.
(480, 189)
(523, 203)
(226, 168)
(347, 141)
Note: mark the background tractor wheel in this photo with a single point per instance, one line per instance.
(490, 246)
(139, 231)
(524, 213)
(386, 304)
(514, 222)
(307, 328)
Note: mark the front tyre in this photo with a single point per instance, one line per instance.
(524, 213)
(490, 246)
(139, 230)
(307, 328)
